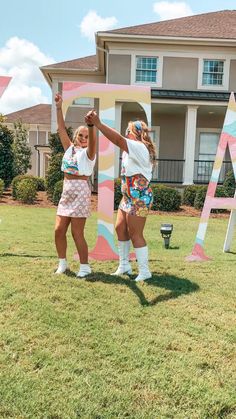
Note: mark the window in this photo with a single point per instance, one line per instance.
(146, 69)
(208, 143)
(84, 102)
(213, 72)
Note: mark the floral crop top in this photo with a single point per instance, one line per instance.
(76, 162)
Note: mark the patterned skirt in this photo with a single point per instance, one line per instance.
(137, 195)
(75, 199)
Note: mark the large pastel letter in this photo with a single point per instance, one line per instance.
(228, 137)
(4, 81)
(107, 94)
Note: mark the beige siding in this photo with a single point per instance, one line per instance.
(32, 143)
(75, 115)
(210, 121)
(119, 69)
(232, 76)
(172, 131)
(42, 137)
(180, 73)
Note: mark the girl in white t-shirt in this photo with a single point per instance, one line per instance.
(137, 164)
(74, 206)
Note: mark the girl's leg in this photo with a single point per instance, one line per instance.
(61, 227)
(121, 226)
(77, 230)
(123, 244)
(136, 226)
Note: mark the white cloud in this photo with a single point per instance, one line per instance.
(92, 23)
(21, 60)
(172, 10)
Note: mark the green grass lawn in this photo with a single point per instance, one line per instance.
(106, 347)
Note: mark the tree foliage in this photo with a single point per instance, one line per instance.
(6, 153)
(21, 149)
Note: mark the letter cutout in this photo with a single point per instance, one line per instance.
(4, 81)
(228, 137)
(107, 94)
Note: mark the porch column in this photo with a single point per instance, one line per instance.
(55, 89)
(189, 144)
(118, 114)
(41, 169)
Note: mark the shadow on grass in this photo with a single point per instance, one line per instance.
(24, 255)
(176, 286)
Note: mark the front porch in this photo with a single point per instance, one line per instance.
(172, 171)
(186, 136)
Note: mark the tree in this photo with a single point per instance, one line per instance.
(54, 173)
(6, 153)
(55, 142)
(21, 149)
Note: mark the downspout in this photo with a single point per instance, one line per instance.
(38, 158)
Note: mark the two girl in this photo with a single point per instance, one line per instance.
(78, 163)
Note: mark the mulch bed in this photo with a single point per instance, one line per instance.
(43, 202)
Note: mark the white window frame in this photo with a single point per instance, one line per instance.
(203, 130)
(225, 85)
(147, 54)
(90, 105)
(156, 130)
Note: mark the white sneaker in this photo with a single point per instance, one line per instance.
(124, 265)
(142, 258)
(123, 270)
(62, 267)
(84, 270)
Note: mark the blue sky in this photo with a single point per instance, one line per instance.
(34, 34)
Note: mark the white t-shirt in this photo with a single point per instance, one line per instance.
(76, 162)
(137, 160)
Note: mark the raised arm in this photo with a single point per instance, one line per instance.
(65, 140)
(92, 141)
(110, 133)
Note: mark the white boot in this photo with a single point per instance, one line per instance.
(84, 270)
(62, 266)
(124, 265)
(142, 258)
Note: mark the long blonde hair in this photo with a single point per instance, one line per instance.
(140, 130)
(76, 133)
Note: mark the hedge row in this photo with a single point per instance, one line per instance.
(25, 187)
(194, 195)
(2, 186)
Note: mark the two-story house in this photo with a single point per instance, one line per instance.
(190, 65)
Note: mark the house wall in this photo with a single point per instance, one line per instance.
(232, 76)
(182, 64)
(172, 131)
(75, 114)
(32, 143)
(119, 69)
(180, 73)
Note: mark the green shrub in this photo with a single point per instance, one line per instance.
(6, 154)
(18, 179)
(201, 196)
(54, 174)
(1, 187)
(230, 184)
(26, 191)
(190, 194)
(117, 193)
(40, 183)
(57, 192)
(165, 198)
